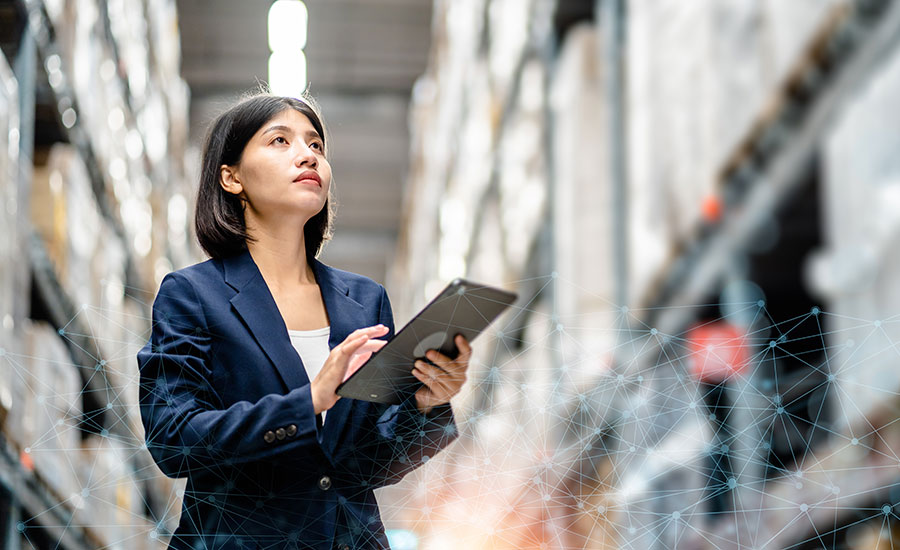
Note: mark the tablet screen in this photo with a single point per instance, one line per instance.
(463, 307)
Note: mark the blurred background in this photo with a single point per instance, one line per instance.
(697, 202)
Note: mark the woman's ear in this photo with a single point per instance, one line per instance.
(229, 180)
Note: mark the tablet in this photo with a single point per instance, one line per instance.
(463, 307)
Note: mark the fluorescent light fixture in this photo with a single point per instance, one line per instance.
(288, 20)
(287, 73)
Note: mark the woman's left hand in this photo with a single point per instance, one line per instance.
(444, 380)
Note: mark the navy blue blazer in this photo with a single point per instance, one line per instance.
(225, 402)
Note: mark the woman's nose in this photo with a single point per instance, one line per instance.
(305, 156)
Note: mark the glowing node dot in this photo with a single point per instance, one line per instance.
(804, 507)
(877, 324)
(886, 509)
(831, 378)
(692, 405)
(836, 490)
(104, 433)
(20, 527)
(85, 492)
(732, 483)
(815, 311)
(654, 332)
(854, 441)
(109, 405)
(676, 515)
(772, 343)
(61, 332)
(798, 485)
(761, 303)
(779, 410)
(28, 450)
(554, 275)
(632, 530)
(624, 309)
(154, 535)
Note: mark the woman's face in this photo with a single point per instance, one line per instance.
(283, 170)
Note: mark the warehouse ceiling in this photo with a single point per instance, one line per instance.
(363, 57)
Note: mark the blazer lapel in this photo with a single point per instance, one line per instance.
(256, 307)
(344, 315)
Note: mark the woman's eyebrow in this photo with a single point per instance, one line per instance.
(278, 128)
(288, 129)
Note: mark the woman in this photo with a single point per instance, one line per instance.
(238, 379)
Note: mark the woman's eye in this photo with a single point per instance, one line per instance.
(279, 139)
(316, 145)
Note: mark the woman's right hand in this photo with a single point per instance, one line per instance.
(342, 362)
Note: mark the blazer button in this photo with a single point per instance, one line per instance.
(279, 433)
(269, 437)
(291, 430)
(324, 483)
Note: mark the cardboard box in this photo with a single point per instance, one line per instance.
(50, 391)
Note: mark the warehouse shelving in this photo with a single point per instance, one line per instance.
(41, 510)
(764, 172)
(31, 509)
(64, 95)
(764, 169)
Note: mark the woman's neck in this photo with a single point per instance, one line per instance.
(280, 255)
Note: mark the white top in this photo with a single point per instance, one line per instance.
(312, 346)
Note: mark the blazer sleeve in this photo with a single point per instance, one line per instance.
(402, 438)
(188, 429)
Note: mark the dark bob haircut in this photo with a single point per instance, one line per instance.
(219, 216)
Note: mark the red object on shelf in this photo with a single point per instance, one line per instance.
(718, 351)
(27, 461)
(711, 209)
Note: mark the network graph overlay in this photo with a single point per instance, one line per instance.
(747, 426)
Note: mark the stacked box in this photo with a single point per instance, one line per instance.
(586, 302)
(523, 168)
(700, 74)
(857, 270)
(9, 246)
(136, 333)
(129, 31)
(65, 213)
(110, 504)
(51, 391)
(509, 26)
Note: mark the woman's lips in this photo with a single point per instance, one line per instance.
(309, 177)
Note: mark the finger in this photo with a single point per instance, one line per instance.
(426, 397)
(362, 355)
(371, 332)
(430, 386)
(465, 349)
(453, 367)
(350, 346)
(371, 346)
(439, 381)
